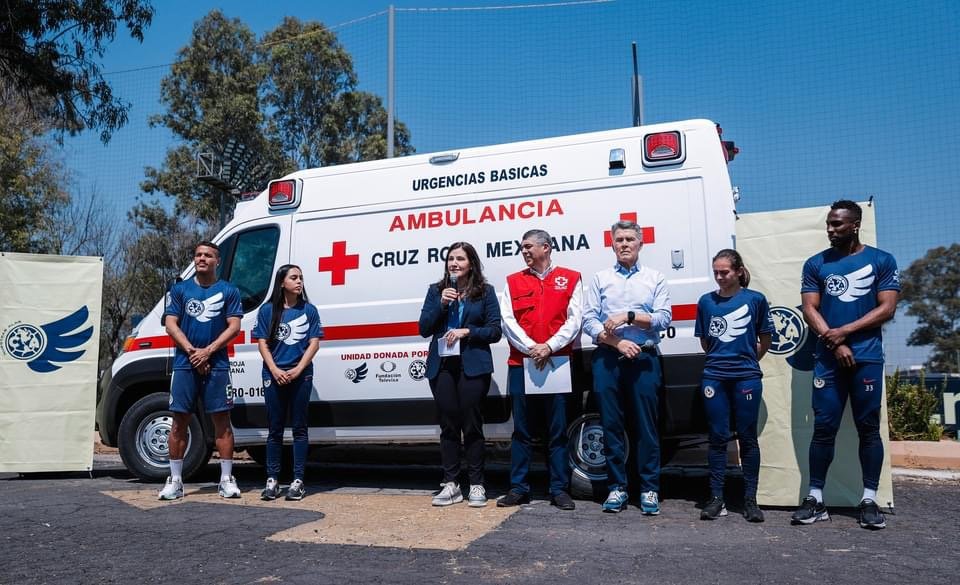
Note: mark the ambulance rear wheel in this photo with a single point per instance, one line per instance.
(143, 440)
(588, 465)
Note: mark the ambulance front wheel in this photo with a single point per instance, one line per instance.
(143, 436)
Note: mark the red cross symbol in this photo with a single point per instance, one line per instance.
(646, 233)
(338, 263)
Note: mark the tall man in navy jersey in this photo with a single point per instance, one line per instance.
(542, 309)
(624, 310)
(848, 292)
(202, 316)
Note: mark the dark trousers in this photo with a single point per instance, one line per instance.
(292, 399)
(626, 391)
(743, 397)
(459, 398)
(530, 415)
(863, 384)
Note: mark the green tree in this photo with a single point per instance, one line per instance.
(49, 55)
(290, 99)
(212, 97)
(310, 89)
(32, 177)
(931, 287)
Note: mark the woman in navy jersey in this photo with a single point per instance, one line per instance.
(734, 327)
(288, 334)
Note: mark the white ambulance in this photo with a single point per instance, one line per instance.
(370, 237)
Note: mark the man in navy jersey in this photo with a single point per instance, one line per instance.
(848, 292)
(202, 316)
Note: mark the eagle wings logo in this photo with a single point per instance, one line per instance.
(732, 325)
(44, 348)
(852, 286)
(296, 330)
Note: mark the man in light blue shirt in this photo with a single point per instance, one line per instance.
(625, 309)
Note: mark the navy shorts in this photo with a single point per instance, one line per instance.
(215, 388)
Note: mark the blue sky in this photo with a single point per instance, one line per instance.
(826, 99)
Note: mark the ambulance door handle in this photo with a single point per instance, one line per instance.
(676, 259)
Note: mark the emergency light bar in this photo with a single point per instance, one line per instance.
(283, 194)
(663, 148)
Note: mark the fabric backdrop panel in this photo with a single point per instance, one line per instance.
(774, 246)
(49, 345)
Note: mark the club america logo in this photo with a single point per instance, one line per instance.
(194, 308)
(24, 341)
(789, 331)
(283, 331)
(836, 285)
(717, 326)
(708, 391)
(417, 370)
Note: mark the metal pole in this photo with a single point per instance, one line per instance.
(637, 91)
(390, 73)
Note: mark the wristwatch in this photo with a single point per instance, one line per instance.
(630, 317)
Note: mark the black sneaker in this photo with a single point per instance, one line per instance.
(714, 509)
(870, 515)
(563, 501)
(270, 492)
(296, 491)
(810, 511)
(513, 498)
(751, 511)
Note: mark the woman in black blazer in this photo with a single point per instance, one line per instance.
(462, 315)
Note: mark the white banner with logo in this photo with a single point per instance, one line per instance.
(49, 341)
(775, 246)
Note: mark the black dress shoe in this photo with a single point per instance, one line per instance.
(563, 501)
(513, 498)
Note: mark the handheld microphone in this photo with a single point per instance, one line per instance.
(647, 347)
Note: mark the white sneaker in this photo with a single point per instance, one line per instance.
(172, 490)
(228, 488)
(477, 497)
(449, 494)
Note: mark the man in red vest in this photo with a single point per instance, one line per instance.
(542, 308)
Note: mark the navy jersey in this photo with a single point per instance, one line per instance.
(298, 326)
(202, 313)
(730, 326)
(848, 287)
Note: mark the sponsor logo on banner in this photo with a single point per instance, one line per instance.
(356, 375)
(388, 372)
(417, 370)
(45, 348)
(791, 338)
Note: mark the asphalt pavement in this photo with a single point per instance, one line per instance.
(371, 522)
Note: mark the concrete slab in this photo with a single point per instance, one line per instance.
(943, 455)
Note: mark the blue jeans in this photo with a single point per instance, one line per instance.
(744, 395)
(627, 388)
(531, 414)
(292, 398)
(832, 384)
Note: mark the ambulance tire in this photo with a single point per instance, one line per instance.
(143, 436)
(588, 466)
